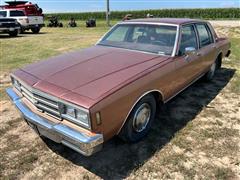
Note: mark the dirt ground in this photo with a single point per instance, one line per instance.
(195, 136)
(225, 23)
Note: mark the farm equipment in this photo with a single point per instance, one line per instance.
(91, 23)
(72, 23)
(127, 17)
(53, 22)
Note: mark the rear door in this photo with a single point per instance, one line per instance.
(187, 66)
(207, 50)
(20, 16)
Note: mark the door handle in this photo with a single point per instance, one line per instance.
(199, 54)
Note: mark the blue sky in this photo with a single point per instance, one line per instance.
(99, 5)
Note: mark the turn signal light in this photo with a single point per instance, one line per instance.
(98, 118)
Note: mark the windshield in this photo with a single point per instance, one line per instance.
(159, 39)
(3, 13)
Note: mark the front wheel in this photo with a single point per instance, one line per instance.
(35, 30)
(210, 74)
(140, 119)
(13, 33)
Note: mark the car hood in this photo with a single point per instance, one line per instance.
(88, 75)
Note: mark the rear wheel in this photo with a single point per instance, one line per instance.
(219, 62)
(140, 119)
(13, 33)
(35, 30)
(210, 74)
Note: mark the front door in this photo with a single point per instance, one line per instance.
(187, 65)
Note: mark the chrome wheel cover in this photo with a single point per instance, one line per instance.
(141, 117)
(212, 69)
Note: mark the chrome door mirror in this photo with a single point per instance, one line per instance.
(190, 51)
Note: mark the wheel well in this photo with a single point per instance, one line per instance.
(219, 60)
(157, 96)
(159, 99)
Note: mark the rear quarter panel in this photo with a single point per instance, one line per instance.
(223, 45)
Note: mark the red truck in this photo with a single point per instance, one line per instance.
(29, 8)
(28, 15)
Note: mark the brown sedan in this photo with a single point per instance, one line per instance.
(84, 98)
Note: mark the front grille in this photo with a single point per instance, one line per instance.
(41, 101)
(8, 25)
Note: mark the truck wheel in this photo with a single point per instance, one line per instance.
(139, 121)
(13, 33)
(35, 30)
(210, 74)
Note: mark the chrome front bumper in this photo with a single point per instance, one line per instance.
(6, 29)
(60, 133)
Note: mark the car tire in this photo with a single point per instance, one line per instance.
(139, 121)
(13, 33)
(219, 62)
(210, 74)
(35, 30)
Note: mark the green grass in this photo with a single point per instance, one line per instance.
(17, 52)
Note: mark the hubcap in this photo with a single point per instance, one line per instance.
(141, 117)
(213, 67)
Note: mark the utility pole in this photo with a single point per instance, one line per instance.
(108, 13)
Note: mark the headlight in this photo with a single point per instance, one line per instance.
(16, 84)
(76, 115)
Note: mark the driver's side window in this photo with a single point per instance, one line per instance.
(188, 39)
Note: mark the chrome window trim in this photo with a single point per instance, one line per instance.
(147, 23)
(176, 42)
(180, 36)
(60, 101)
(209, 31)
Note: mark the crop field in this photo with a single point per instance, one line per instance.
(215, 13)
(195, 136)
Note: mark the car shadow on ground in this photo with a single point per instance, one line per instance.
(117, 159)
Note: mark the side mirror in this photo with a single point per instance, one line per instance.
(190, 51)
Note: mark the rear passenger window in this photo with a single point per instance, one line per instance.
(16, 13)
(188, 39)
(205, 36)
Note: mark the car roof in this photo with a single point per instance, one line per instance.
(175, 21)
